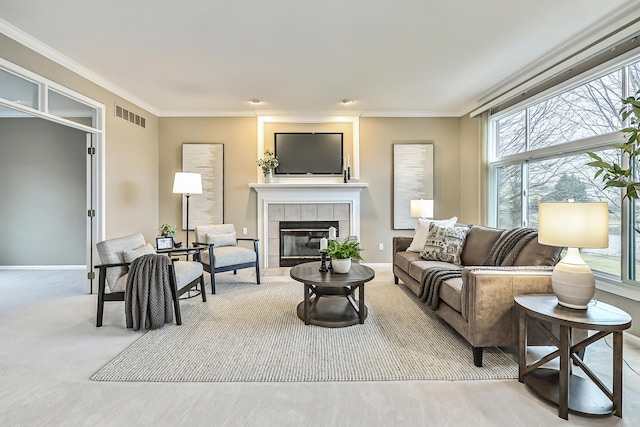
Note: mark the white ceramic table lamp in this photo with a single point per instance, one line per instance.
(573, 225)
(187, 183)
(422, 208)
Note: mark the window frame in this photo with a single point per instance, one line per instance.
(626, 285)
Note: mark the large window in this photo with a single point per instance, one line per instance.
(538, 153)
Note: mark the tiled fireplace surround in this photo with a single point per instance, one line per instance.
(304, 202)
(303, 212)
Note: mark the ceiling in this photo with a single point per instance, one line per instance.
(401, 57)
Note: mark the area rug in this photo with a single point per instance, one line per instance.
(250, 333)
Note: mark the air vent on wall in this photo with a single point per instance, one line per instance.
(130, 116)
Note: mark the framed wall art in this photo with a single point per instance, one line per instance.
(207, 160)
(412, 179)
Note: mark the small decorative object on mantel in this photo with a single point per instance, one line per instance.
(268, 163)
(341, 253)
(167, 230)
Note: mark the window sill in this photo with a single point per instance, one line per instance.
(619, 288)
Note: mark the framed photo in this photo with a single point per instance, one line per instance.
(164, 243)
(412, 179)
(207, 159)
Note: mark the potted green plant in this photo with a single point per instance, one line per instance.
(613, 174)
(268, 163)
(167, 230)
(341, 253)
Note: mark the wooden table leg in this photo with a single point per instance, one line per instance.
(563, 392)
(522, 346)
(617, 373)
(307, 303)
(361, 303)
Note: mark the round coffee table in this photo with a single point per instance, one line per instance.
(329, 297)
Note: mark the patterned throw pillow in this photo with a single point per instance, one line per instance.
(444, 243)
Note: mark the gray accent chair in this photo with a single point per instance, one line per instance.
(223, 252)
(115, 257)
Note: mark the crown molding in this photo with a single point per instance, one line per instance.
(57, 57)
(411, 114)
(611, 30)
(206, 113)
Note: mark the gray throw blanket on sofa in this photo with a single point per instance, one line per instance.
(148, 299)
(508, 246)
(503, 253)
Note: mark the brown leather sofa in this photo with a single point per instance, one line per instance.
(479, 305)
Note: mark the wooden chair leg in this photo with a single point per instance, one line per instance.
(174, 294)
(213, 283)
(101, 291)
(202, 290)
(257, 266)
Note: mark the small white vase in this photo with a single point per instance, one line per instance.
(341, 265)
(269, 176)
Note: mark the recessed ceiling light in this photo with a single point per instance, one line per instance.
(347, 101)
(256, 101)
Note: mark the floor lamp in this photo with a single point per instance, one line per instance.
(187, 183)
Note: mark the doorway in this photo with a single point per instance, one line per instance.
(46, 172)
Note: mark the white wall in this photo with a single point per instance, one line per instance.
(42, 189)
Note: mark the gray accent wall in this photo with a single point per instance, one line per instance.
(43, 209)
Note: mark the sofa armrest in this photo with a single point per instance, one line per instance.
(487, 300)
(401, 243)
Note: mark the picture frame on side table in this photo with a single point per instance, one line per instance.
(164, 243)
(412, 179)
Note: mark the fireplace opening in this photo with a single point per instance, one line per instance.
(300, 240)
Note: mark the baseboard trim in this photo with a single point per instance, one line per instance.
(43, 267)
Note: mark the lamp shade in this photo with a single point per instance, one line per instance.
(574, 224)
(187, 183)
(422, 208)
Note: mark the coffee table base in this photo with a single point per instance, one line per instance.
(332, 312)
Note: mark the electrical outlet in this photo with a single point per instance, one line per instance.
(381, 247)
(244, 231)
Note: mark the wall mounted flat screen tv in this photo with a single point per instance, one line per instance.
(309, 153)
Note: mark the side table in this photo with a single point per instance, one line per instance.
(572, 392)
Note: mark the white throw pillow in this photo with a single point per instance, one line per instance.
(132, 254)
(422, 229)
(222, 239)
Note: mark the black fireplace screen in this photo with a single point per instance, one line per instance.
(300, 240)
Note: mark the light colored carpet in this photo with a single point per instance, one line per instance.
(250, 333)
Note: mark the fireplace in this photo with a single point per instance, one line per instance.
(304, 201)
(300, 240)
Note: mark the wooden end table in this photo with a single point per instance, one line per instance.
(329, 297)
(571, 392)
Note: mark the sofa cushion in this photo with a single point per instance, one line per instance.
(404, 259)
(444, 243)
(422, 229)
(534, 254)
(478, 244)
(451, 293)
(417, 268)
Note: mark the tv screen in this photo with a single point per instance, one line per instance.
(309, 153)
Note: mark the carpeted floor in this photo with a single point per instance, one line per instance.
(251, 333)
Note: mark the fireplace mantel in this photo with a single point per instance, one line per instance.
(305, 193)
